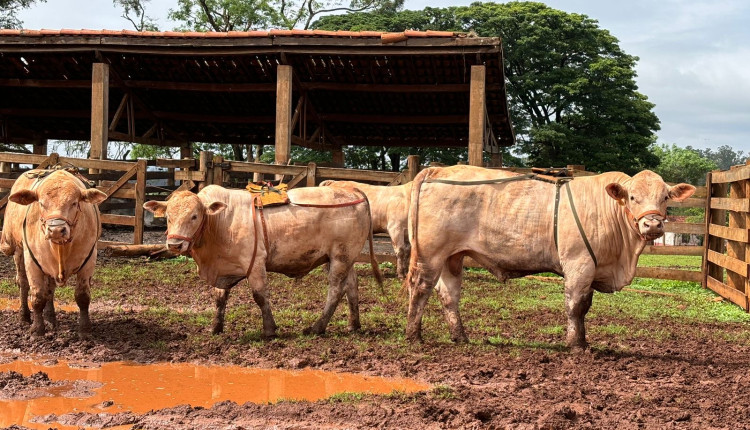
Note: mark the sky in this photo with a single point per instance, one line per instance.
(694, 55)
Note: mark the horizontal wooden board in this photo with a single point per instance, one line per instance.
(736, 205)
(272, 169)
(356, 175)
(117, 219)
(685, 227)
(673, 250)
(734, 175)
(190, 175)
(688, 203)
(105, 243)
(729, 233)
(123, 166)
(186, 163)
(120, 194)
(7, 183)
(730, 263)
(735, 296)
(673, 274)
(14, 157)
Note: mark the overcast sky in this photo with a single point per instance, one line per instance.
(694, 55)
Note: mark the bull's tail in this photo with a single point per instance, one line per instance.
(373, 262)
(413, 226)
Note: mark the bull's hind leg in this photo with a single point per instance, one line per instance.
(23, 284)
(578, 298)
(449, 291)
(337, 278)
(352, 298)
(420, 282)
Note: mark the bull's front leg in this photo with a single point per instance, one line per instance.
(578, 298)
(23, 285)
(40, 295)
(221, 295)
(50, 315)
(259, 284)
(83, 299)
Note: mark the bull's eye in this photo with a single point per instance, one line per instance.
(195, 217)
(632, 199)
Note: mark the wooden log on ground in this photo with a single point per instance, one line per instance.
(156, 251)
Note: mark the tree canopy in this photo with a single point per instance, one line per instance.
(682, 164)
(9, 12)
(572, 91)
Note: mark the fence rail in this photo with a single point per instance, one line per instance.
(726, 259)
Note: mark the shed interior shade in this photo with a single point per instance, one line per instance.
(167, 88)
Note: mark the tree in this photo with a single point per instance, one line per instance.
(9, 10)
(245, 15)
(725, 157)
(572, 91)
(135, 12)
(682, 164)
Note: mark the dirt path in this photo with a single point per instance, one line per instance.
(658, 373)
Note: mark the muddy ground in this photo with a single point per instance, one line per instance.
(687, 375)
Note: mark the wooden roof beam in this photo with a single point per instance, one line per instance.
(400, 119)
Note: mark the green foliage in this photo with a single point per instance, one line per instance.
(135, 12)
(572, 90)
(724, 157)
(682, 164)
(9, 10)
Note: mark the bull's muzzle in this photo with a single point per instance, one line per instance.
(57, 230)
(179, 246)
(652, 226)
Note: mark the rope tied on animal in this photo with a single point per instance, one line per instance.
(635, 219)
(195, 237)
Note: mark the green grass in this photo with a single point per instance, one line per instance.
(692, 262)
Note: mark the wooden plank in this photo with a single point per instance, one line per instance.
(243, 166)
(14, 157)
(7, 183)
(208, 87)
(283, 139)
(664, 273)
(400, 179)
(120, 194)
(297, 179)
(356, 175)
(120, 182)
(729, 233)
(684, 227)
(140, 199)
(688, 203)
(477, 115)
(731, 204)
(102, 244)
(99, 110)
(312, 169)
(83, 163)
(728, 262)
(673, 250)
(734, 296)
(412, 167)
(739, 174)
(190, 175)
(117, 219)
(736, 250)
(218, 170)
(185, 163)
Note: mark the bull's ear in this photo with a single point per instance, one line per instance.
(215, 207)
(158, 208)
(616, 191)
(680, 192)
(93, 196)
(24, 197)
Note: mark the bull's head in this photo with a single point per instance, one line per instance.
(644, 198)
(59, 205)
(186, 218)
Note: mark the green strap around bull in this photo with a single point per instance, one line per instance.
(559, 183)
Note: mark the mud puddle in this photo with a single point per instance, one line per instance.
(15, 305)
(140, 388)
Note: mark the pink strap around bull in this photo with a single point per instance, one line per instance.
(636, 219)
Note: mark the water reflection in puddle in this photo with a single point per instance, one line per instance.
(140, 388)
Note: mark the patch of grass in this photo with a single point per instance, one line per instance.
(444, 392)
(553, 329)
(8, 287)
(346, 397)
(611, 329)
(674, 261)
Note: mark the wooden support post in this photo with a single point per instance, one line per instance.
(476, 115)
(99, 112)
(312, 171)
(736, 249)
(205, 158)
(40, 147)
(186, 150)
(746, 216)
(283, 114)
(140, 199)
(496, 159)
(257, 177)
(412, 167)
(718, 217)
(4, 168)
(218, 176)
(338, 157)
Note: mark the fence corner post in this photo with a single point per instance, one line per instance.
(412, 167)
(312, 171)
(140, 199)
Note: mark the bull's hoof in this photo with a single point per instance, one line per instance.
(269, 336)
(84, 335)
(25, 317)
(51, 320)
(578, 346)
(315, 330)
(414, 338)
(355, 327)
(36, 332)
(217, 329)
(460, 339)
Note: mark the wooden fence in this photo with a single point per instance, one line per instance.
(726, 259)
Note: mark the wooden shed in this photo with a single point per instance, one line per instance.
(317, 89)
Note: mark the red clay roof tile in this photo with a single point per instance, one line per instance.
(389, 37)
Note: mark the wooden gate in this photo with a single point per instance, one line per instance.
(726, 258)
(108, 175)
